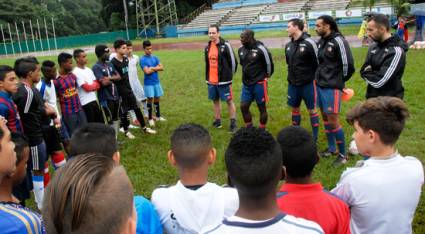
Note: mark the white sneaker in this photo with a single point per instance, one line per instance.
(151, 123)
(129, 135)
(161, 119)
(149, 130)
(132, 126)
(122, 130)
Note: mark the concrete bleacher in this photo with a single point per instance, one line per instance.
(243, 15)
(289, 6)
(314, 5)
(208, 17)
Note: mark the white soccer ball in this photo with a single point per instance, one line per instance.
(353, 148)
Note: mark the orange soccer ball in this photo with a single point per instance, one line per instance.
(347, 94)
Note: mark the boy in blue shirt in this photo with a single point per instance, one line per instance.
(151, 65)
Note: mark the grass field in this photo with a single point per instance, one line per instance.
(186, 100)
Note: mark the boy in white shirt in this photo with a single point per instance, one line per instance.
(254, 164)
(384, 191)
(193, 205)
(87, 87)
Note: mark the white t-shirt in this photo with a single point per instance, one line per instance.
(135, 84)
(282, 223)
(382, 194)
(85, 76)
(183, 210)
(48, 93)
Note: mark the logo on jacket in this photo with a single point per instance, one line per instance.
(330, 49)
(302, 49)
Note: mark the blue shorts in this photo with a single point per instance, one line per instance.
(257, 92)
(329, 100)
(223, 92)
(74, 121)
(305, 92)
(152, 91)
(38, 157)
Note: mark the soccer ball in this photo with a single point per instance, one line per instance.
(353, 148)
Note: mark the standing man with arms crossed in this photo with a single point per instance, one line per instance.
(257, 67)
(220, 65)
(301, 57)
(385, 60)
(336, 66)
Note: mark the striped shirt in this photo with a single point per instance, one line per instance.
(9, 111)
(16, 219)
(67, 91)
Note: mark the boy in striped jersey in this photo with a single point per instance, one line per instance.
(67, 91)
(8, 109)
(15, 218)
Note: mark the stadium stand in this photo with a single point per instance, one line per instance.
(326, 5)
(243, 15)
(289, 6)
(208, 17)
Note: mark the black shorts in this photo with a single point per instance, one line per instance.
(111, 111)
(38, 157)
(52, 138)
(128, 102)
(93, 112)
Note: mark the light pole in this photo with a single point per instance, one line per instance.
(126, 18)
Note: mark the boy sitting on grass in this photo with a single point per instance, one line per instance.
(384, 191)
(193, 205)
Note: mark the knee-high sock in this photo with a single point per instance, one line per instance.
(340, 140)
(157, 109)
(116, 127)
(330, 137)
(46, 178)
(58, 159)
(38, 183)
(314, 120)
(149, 110)
(296, 118)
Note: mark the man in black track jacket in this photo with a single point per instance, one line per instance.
(301, 57)
(257, 68)
(385, 60)
(336, 66)
(220, 65)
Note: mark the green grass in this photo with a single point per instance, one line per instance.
(346, 30)
(186, 100)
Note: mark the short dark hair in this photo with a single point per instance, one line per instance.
(329, 20)
(77, 53)
(4, 70)
(23, 66)
(21, 142)
(380, 19)
(384, 115)
(63, 57)
(146, 43)
(93, 138)
(100, 50)
(254, 161)
(214, 26)
(299, 151)
(86, 190)
(47, 65)
(190, 144)
(118, 43)
(297, 22)
(129, 43)
(249, 32)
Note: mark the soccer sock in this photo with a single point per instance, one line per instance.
(58, 159)
(314, 120)
(157, 110)
(330, 137)
(124, 121)
(140, 117)
(116, 126)
(149, 110)
(38, 183)
(145, 108)
(340, 140)
(296, 118)
(46, 178)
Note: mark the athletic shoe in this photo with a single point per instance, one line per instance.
(149, 130)
(161, 119)
(132, 126)
(340, 160)
(327, 154)
(122, 130)
(151, 123)
(217, 123)
(129, 135)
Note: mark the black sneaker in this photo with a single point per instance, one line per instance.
(327, 154)
(217, 123)
(340, 160)
(233, 127)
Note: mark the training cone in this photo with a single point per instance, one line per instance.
(347, 94)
